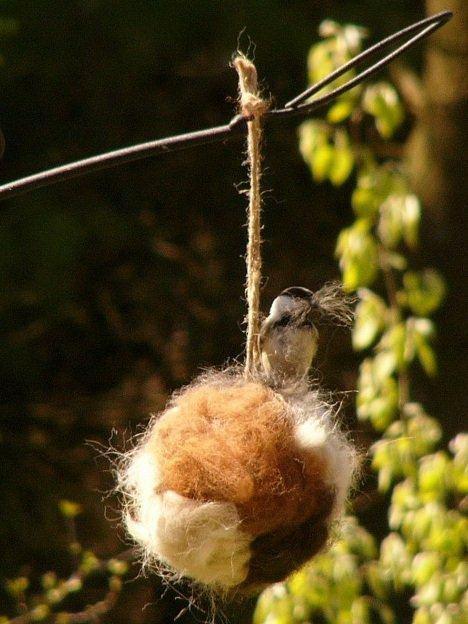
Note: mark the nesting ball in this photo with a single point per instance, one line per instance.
(235, 485)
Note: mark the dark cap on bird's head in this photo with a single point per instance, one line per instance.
(297, 292)
(304, 302)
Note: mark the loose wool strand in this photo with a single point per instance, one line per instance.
(252, 107)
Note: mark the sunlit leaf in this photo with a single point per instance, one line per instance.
(424, 566)
(357, 249)
(39, 613)
(370, 318)
(390, 227)
(425, 291)
(322, 162)
(341, 110)
(360, 611)
(312, 133)
(341, 166)
(395, 560)
(382, 102)
(411, 217)
(422, 334)
(434, 477)
(17, 587)
(377, 399)
(396, 260)
(321, 60)
(69, 509)
(393, 344)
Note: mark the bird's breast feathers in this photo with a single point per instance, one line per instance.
(289, 351)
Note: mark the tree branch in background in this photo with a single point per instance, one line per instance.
(238, 125)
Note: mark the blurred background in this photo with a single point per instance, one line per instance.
(118, 287)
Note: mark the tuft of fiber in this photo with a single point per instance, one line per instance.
(235, 485)
(335, 303)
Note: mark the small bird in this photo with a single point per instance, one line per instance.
(288, 337)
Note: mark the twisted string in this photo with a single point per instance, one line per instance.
(252, 107)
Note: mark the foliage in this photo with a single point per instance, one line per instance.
(361, 578)
(47, 598)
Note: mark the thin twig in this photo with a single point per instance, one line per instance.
(238, 125)
(91, 612)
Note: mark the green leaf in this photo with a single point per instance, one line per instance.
(425, 432)
(341, 166)
(396, 260)
(434, 478)
(320, 60)
(39, 613)
(422, 616)
(424, 566)
(364, 202)
(382, 102)
(395, 560)
(427, 359)
(425, 291)
(322, 162)
(49, 580)
(358, 253)
(423, 332)
(360, 611)
(117, 567)
(16, 587)
(411, 218)
(312, 134)
(377, 398)
(390, 227)
(69, 509)
(274, 606)
(393, 344)
(386, 614)
(370, 318)
(376, 580)
(341, 110)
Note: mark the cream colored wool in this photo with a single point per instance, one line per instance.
(319, 432)
(201, 541)
(206, 540)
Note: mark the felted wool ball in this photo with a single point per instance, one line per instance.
(236, 485)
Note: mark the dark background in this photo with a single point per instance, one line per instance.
(117, 287)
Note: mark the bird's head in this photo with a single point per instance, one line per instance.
(330, 302)
(294, 304)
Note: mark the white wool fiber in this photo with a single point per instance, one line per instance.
(202, 541)
(318, 431)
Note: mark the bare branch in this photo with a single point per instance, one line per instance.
(238, 125)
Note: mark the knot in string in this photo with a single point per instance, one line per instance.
(252, 106)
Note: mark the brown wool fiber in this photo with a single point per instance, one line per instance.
(235, 444)
(236, 485)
